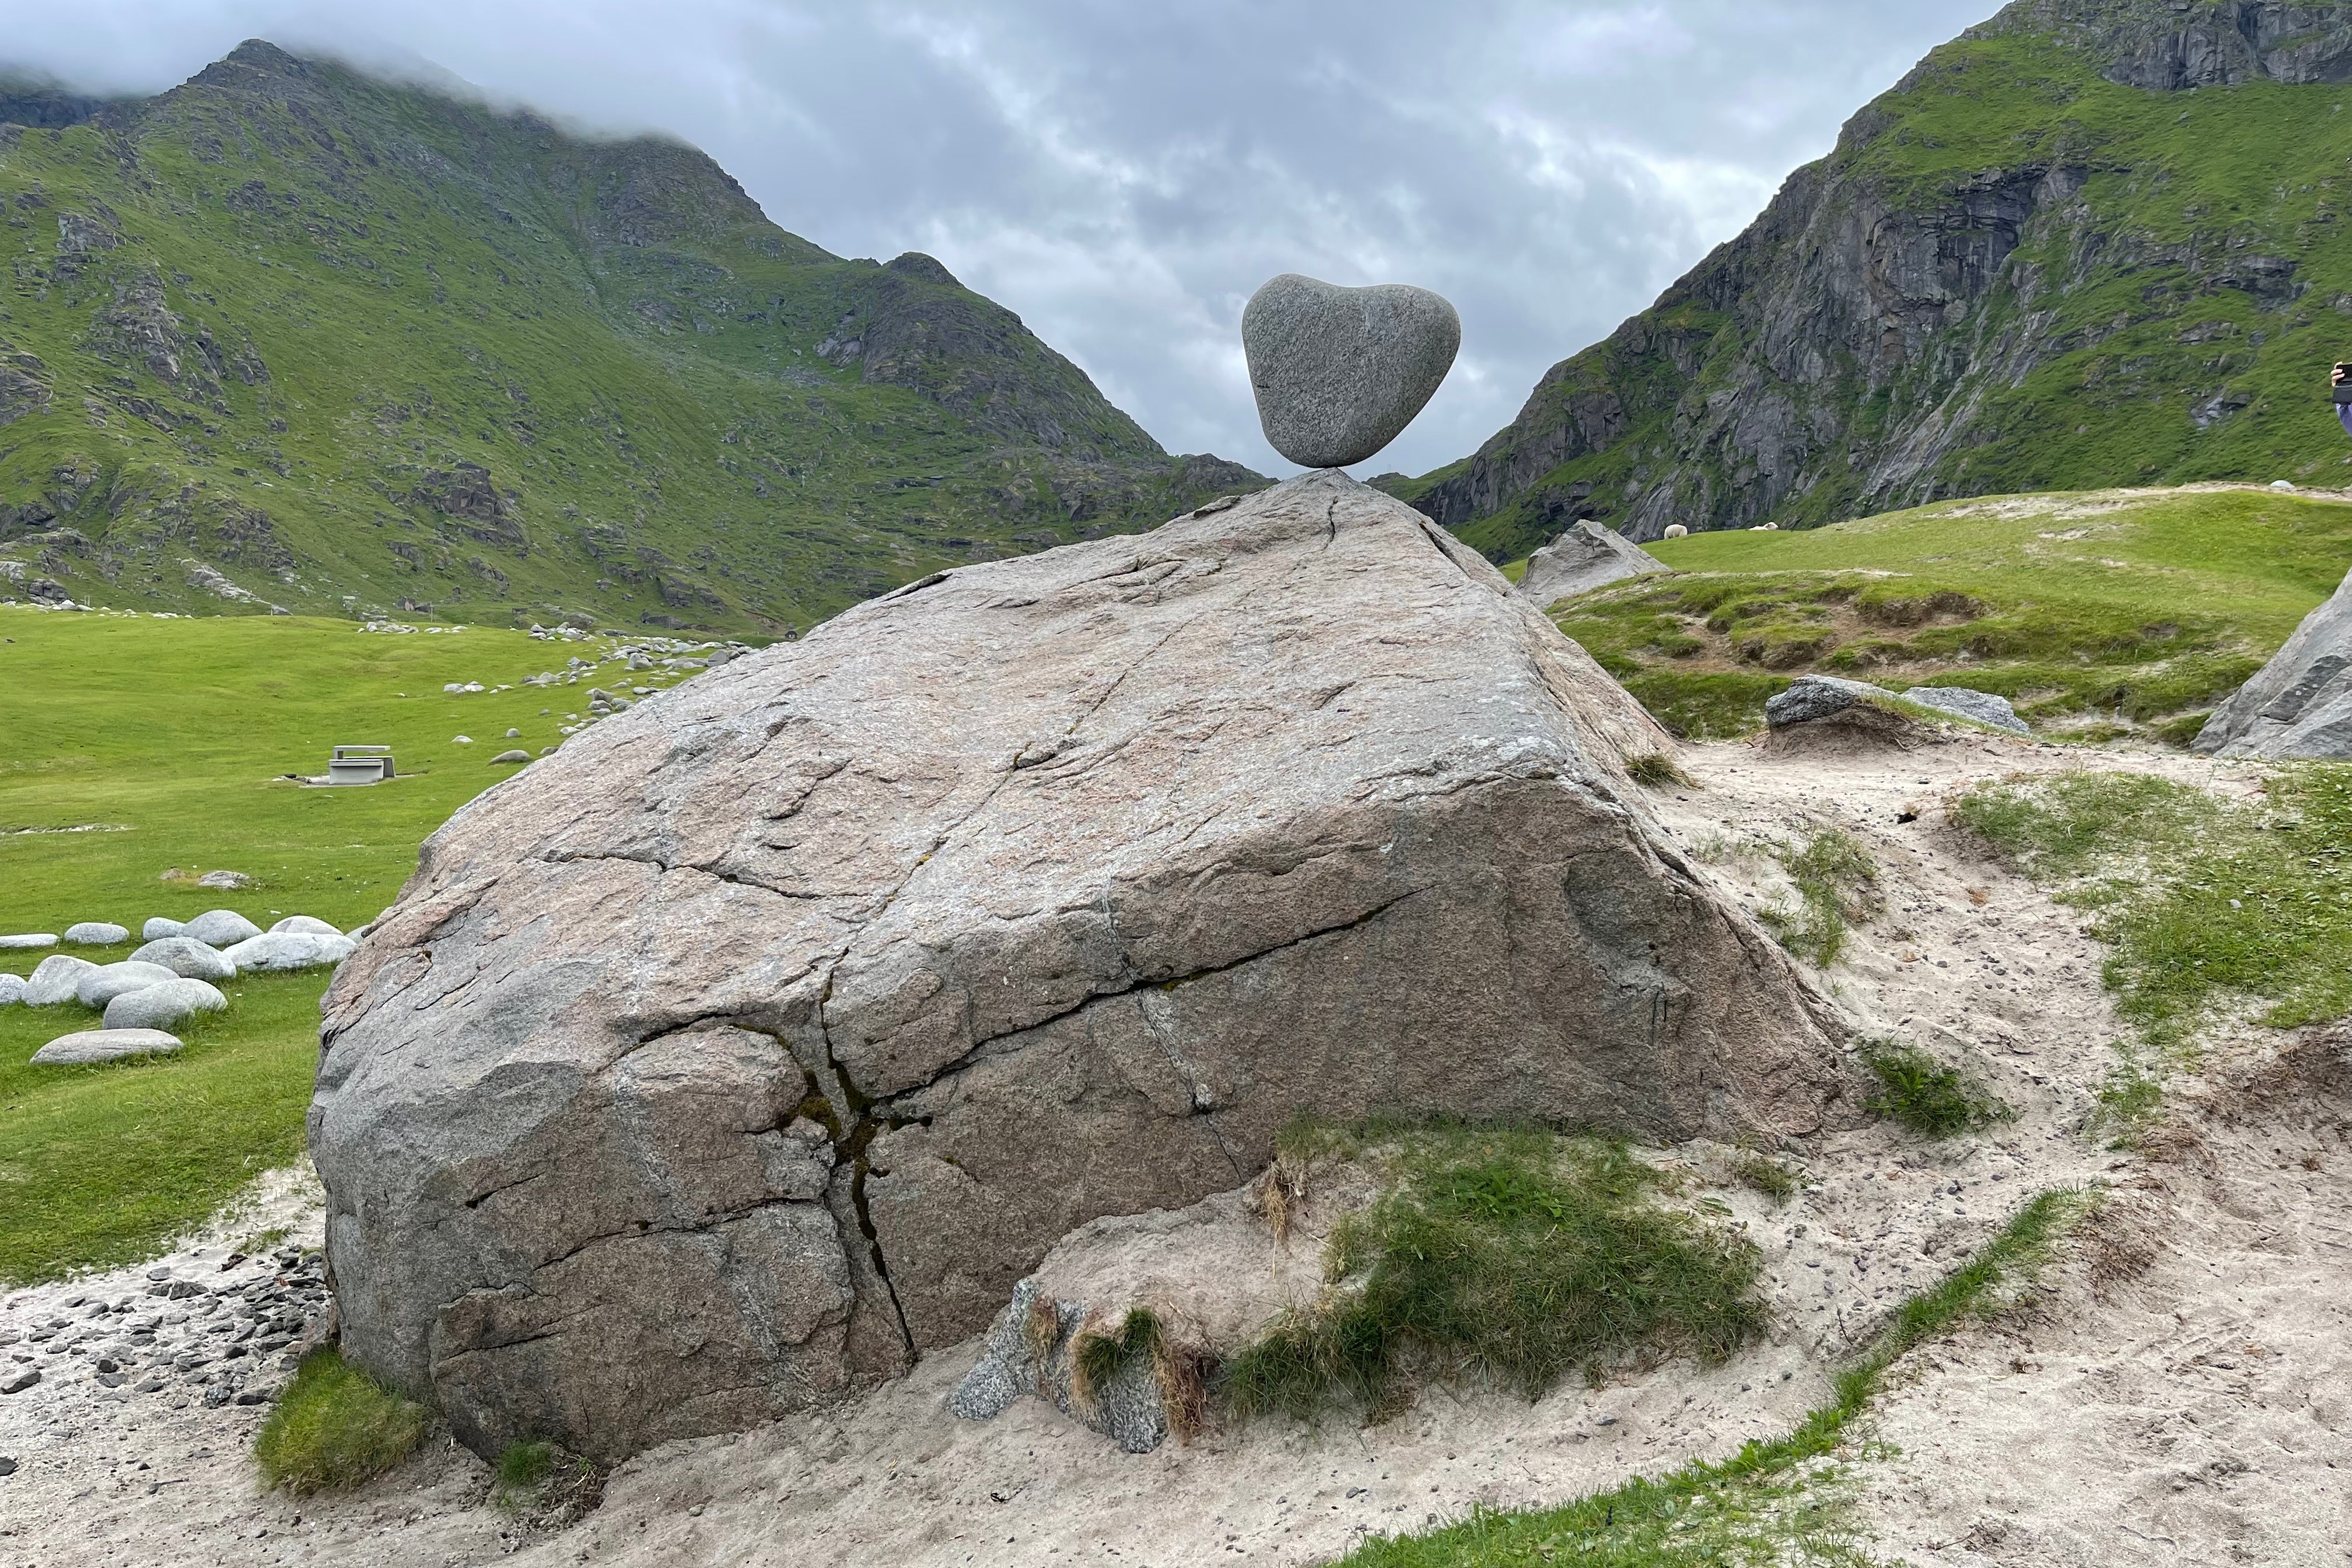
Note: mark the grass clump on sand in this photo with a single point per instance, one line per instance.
(1180, 1370)
(1924, 1095)
(2202, 900)
(1836, 886)
(1767, 1175)
(1516, 1255)
(1656, 770)
(1778, 1502)
(335, 1426)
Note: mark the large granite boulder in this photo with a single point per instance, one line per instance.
(1586, 557)
(772, 1032)
(2298, 706)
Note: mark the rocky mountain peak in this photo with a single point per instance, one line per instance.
(2175, 45)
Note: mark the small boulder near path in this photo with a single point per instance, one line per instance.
(768, 1035)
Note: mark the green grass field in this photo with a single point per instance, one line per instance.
(2098, 614)
(167, 738)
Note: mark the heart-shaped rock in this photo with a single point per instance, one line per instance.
(1340, 371)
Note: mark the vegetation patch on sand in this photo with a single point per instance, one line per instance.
(1515, 1255)
(2098, 614)
(2204, 901)
(335, 1426)
(1924, 1095)
(1780, 1502)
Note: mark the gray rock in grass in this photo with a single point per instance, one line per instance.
(30, 939)
(107, 980)
(517, 756)
(97, 933)
(186, 957)
(12, 989)
(307, 925)
(54, 979)
(160, 1005)
(1586, 557)
(220, 927)
(1340, 373)
(1818, 697)
(231, 880)
(104, 1046)
(289, 950)
(1984, 707)
(157, 926)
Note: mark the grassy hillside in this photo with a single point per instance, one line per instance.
(289, 336)
(2098, 614)
(2013, 274)
(138, 746)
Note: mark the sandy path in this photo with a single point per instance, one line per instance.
(1978, 966)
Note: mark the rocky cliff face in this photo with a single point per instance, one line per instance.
(2037, 262)
(764, 1036)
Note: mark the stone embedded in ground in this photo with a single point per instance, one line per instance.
(107, 980)
(158, 927)
(1984, 707)
(517, 756)
(2298, 707)
(1051, 889)
(12, 989)
(30, 939)
(186, 957)
(220, 927)
(1340, 373)
(1814, 697)
(1017, 1357)
(103, 1046)
(163, 1005)
(18, 1380)
(304, 925)
(53, 978)
(1586, 557)
(97, 933)
(231, 880)
(289, 950)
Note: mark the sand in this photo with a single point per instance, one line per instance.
(2045, 1440)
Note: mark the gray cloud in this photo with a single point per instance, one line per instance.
(1123, 176)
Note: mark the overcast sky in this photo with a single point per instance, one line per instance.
(1124, 173)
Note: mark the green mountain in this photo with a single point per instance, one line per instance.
(2090, 242)
(289, 336)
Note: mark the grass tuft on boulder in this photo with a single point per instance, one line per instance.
(335, 1426)
(1516, 1255)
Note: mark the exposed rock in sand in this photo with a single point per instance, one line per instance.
(1586, 557)
(773, 1032)
(2298, 706)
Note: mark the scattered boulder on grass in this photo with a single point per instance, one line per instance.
(186, 957)
(104, 1046)
(1101, 866)
(1824, 706)
(514, 756)
(2298, 707)
(12, 989)
(157, 926)
(304, 925)
(1586, 557)
(160, 1005)
(289, 950)
(31, 939)
(230, 881)
(220, 927)
(104, 982)
(54, 979)
(97, 933)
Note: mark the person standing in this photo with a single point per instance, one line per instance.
(2342, 384)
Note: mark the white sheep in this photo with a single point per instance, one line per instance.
(1677, 531)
